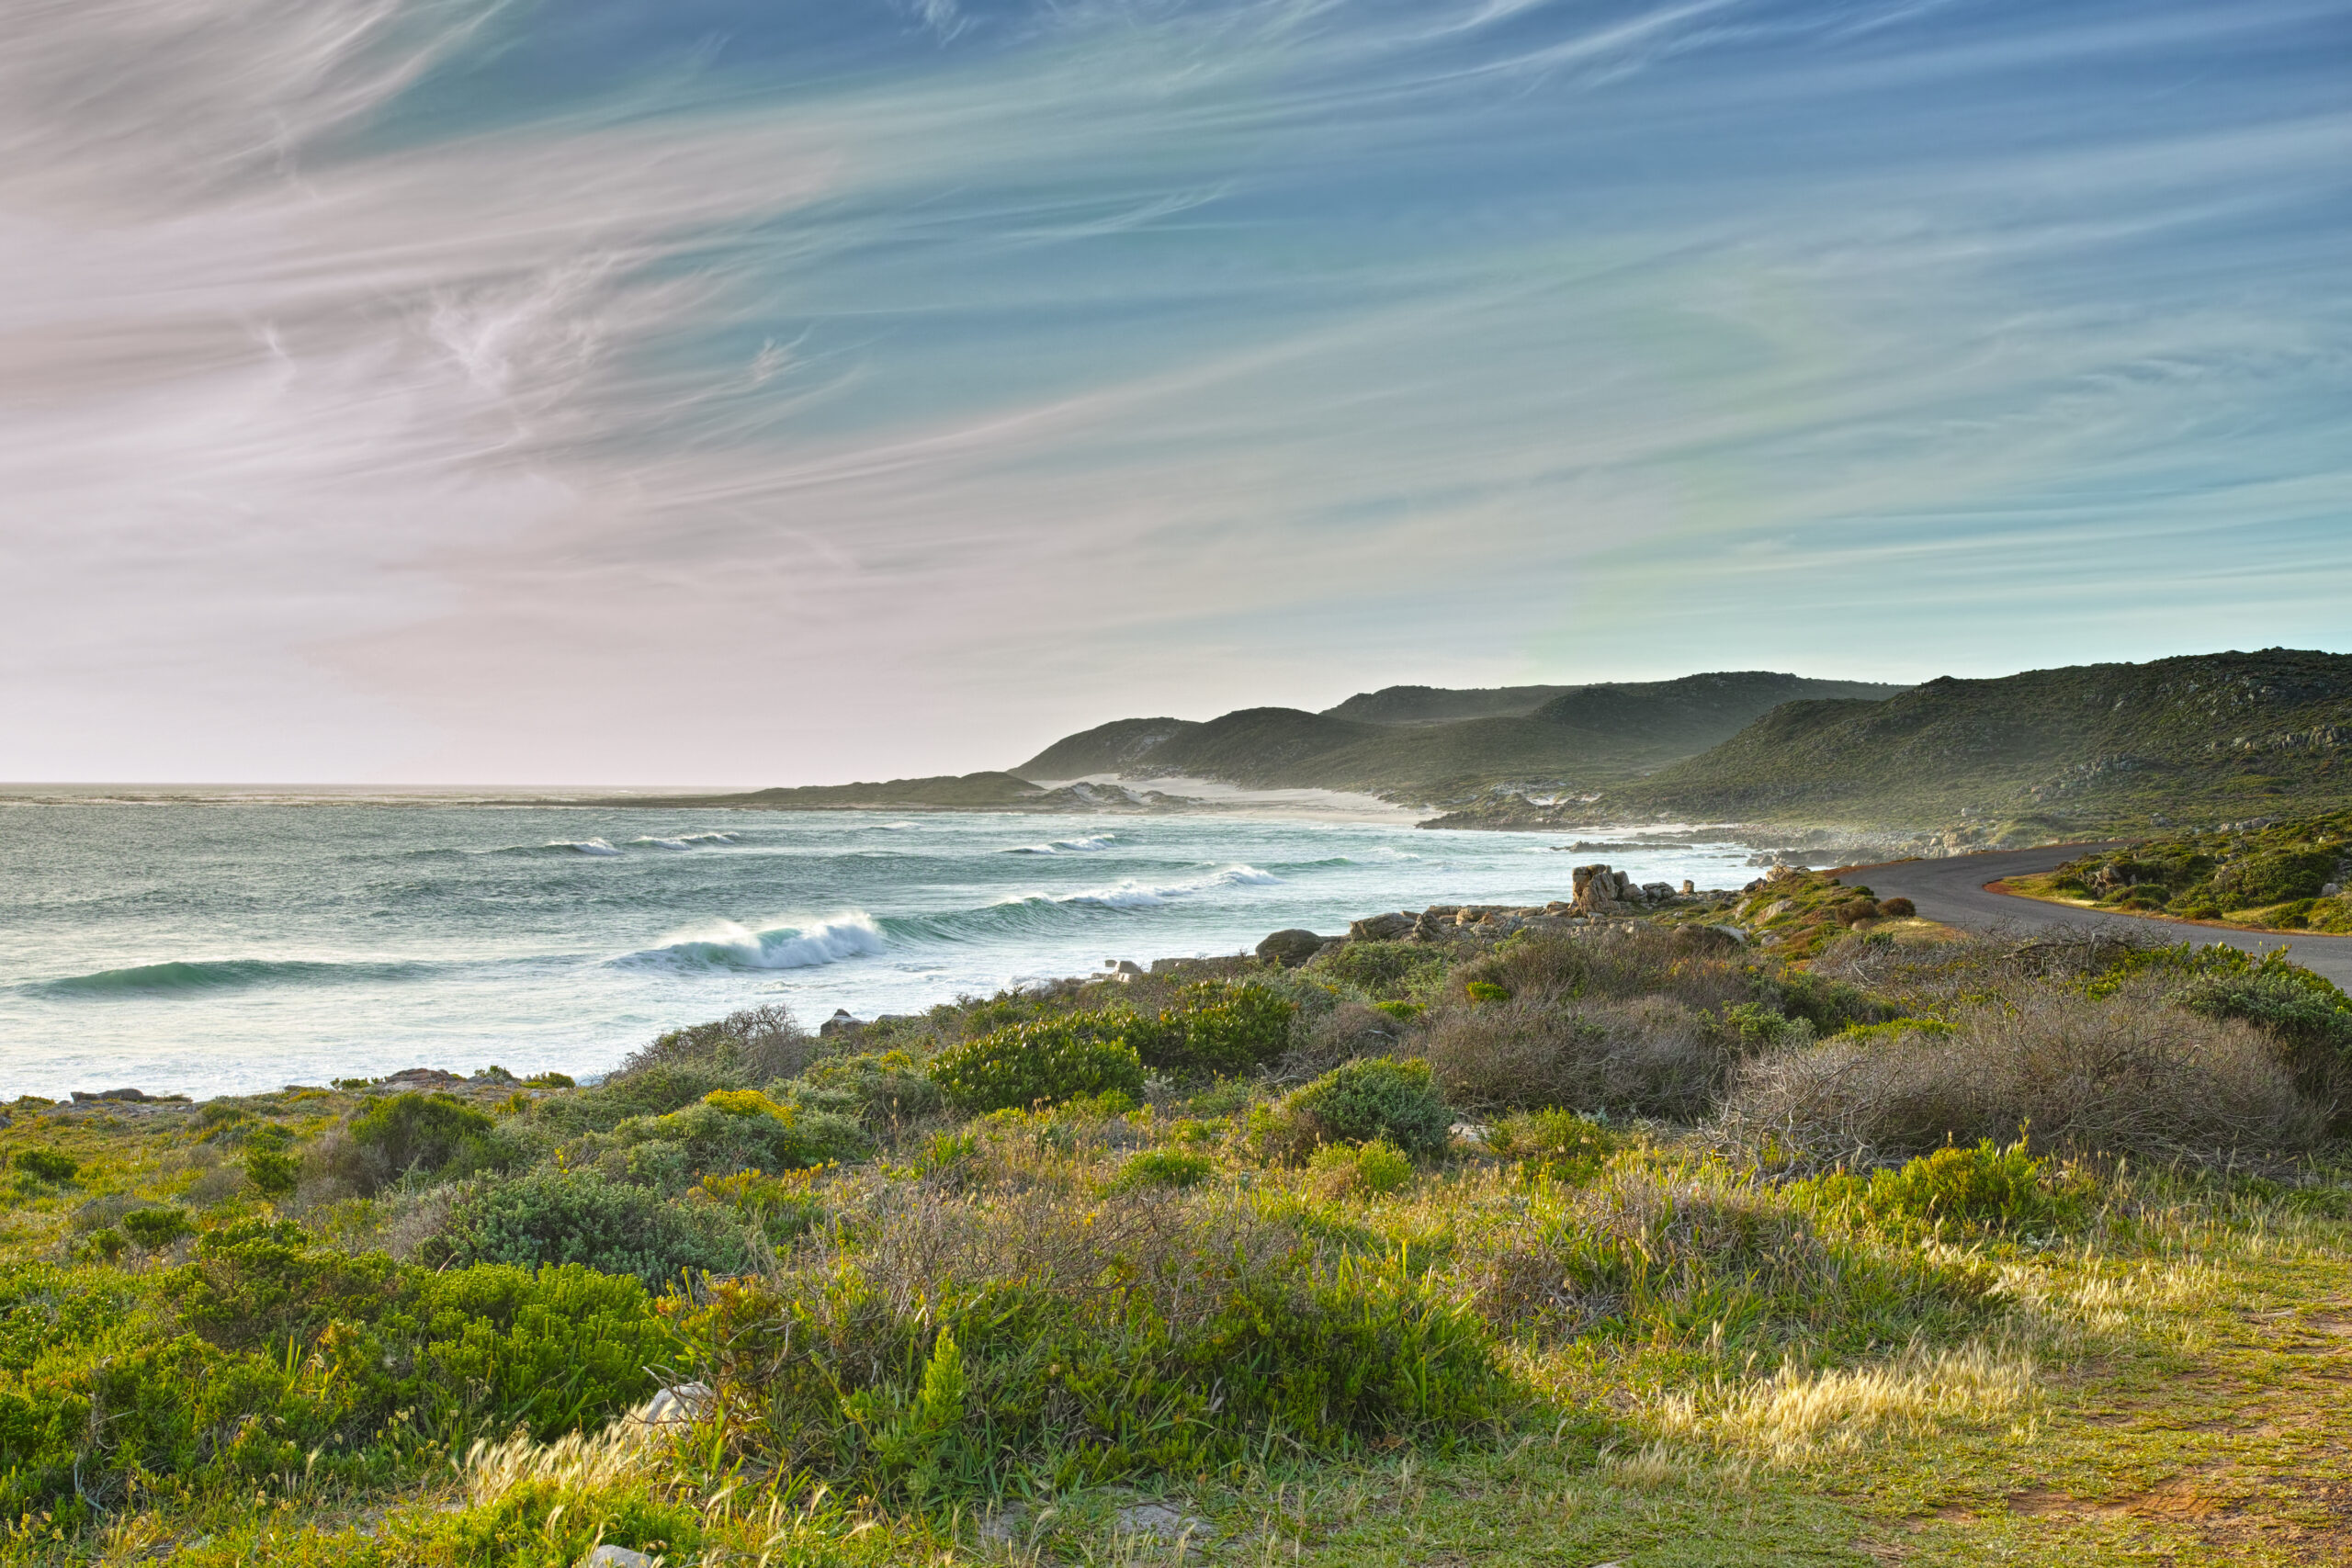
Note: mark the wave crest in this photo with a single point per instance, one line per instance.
(724, 944)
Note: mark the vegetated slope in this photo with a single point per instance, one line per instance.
(2221, 735)
(1442, 704)
(1575, 736)
(945, 790)
(1121, 746)
(1696, 711)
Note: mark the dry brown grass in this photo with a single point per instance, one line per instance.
(2125, 1076)
(1648, 1057)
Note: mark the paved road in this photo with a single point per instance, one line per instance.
(1953, 890)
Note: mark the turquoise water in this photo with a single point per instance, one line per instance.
(226, 947)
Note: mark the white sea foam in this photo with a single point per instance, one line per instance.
(583, 846)
(724, 944)
(1130, 893)
(1066, 846)
(684, 840)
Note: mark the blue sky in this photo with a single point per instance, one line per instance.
(411, 390)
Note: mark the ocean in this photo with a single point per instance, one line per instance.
(226, 947)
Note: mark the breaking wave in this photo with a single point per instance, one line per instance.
(1066, 846)
(683, 842)
(723, 944)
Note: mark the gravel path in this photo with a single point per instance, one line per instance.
(1953, 890)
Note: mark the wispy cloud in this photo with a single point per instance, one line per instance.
(475, 390)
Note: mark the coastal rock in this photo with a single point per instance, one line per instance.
(1600, 890)
(680, 1406)
(129, 1096)
(1161, 1522)
(1380, 928)
(1290, 948)
(1657, 892)
(841, 1021)
(1123, 969)
(419, 1078)
(611, 1556)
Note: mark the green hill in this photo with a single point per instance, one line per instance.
(948, 791)
(2217, 735)
(1569, 737)
(1441, 705)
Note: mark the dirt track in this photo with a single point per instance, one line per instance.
(1953, 890)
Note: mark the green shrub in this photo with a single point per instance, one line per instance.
(156, 1229)
(1556, 1145)
(430, 1134)
(1486, 991)
(268, 1282)
(1374, 1168)
(1218, 1028)
(1036, 1063)
(782, 1206)
(877, 1089)
(736, 1129)
(47, 1165)
(1384, 971)
(1055, 1347)
(557, 1216)
(105, 1244)
(1376, 1097)
(554, 1349)
(274, 1175)
(2274, 877)
(1163, 1167)
(1897, 907)
(1756, 1025)
(1984, 1185)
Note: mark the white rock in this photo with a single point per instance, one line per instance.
(680, 1406)
(1161, 1521)
(615, 1557)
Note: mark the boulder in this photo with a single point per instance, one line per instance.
(680, 1406)
(1601, 890)
(1379, 928)
(1290, 948)
(1658, 892)
(135, 1096)
(611, 1556)
(841, 1022)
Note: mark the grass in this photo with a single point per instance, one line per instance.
(1292, 1311)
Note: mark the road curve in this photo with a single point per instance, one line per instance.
(1953, 890)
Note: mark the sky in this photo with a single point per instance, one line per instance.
(778, 391)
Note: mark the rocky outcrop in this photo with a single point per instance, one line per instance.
(1381, 928)
(1291, 948)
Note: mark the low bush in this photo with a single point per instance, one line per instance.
(156, 1229)
(1383, 971)
(878, 1089)
(1021, 1341)
(747, 1048)
(1032, 1064)
(559, 1217)
(1982, 1185)
(734, 1129)
(2273, 876)
(413, 1134)
(1372, 1169)
(1897, 907)
(781, 1206)
(1647, 1057)
(1357, 1102)
(1554, 1145)
(1641, 1252)
(1690, 964)
(1163, 1167)
(273, 1173)
(47, 1165)
(2124, 1075)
